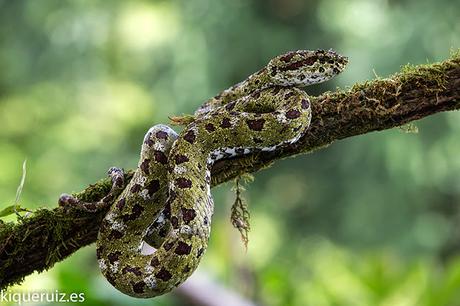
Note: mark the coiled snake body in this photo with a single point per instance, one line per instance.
(168, 200)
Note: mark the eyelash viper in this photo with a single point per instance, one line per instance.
(168, 201)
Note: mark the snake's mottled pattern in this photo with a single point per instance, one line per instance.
(168, 199)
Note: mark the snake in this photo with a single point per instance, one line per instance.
(158, 227)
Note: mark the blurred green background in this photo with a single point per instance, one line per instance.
(371, 220)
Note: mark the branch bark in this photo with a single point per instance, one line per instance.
(50, 235)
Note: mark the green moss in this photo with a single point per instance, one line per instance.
(98, 190)
(455, 54)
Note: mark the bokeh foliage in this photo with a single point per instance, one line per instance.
(371, 220)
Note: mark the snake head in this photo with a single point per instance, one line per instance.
(304, 67)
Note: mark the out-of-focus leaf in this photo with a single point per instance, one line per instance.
(12, 209)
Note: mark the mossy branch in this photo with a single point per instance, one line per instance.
(50, 235)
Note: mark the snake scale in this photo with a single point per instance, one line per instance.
(168, 201)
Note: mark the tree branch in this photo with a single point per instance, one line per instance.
(50, 235)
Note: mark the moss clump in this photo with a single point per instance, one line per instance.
(97, 191)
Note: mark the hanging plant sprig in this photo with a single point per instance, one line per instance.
(240, 211)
